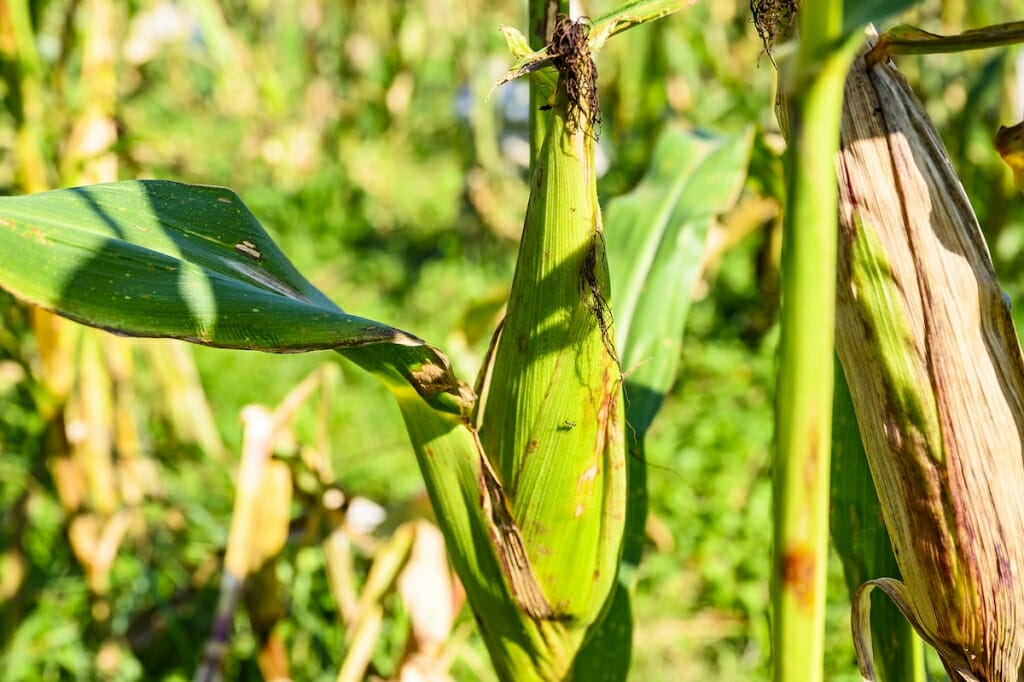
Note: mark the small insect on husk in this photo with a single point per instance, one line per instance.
(247, 248)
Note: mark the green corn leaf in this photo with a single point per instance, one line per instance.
(163, 259)
(655, 238)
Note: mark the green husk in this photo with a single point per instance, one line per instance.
(551, 410)
(656, 247)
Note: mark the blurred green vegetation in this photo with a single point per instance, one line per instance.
(360, 134)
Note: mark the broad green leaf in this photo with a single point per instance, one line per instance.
(163, 259)
(655, 237)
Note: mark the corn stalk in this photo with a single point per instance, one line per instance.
(810, 94)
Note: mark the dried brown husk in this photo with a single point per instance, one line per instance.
(935, 370)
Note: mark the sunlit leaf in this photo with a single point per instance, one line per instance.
(163, 259)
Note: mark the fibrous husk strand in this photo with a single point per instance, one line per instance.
(592, 294)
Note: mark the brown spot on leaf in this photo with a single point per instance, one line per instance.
(247, 248)
(431, 379)
(428, 374)
(1004, 568)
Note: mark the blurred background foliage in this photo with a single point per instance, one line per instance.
(360, 134)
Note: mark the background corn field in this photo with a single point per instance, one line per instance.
(360, 135)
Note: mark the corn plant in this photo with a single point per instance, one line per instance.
(527, 470)
(536, 470)
(934, 377)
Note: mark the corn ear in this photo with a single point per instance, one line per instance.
(551, 414)
(528, 482)
(936, 376)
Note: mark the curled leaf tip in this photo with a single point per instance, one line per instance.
(516, 41)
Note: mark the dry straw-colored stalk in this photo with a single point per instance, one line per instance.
(935, 370)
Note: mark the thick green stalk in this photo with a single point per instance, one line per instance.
(804, 398)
